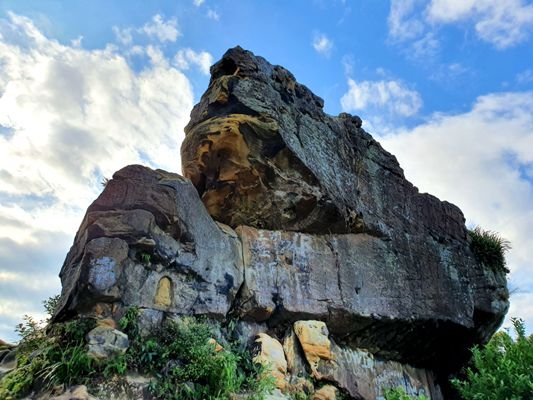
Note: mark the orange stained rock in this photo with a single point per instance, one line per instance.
(327, 392)
(163, 296)
(313, 337)
(272, 356)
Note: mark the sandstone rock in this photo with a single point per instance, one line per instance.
(294, 354)
(314, 339)
(326, 392)
(364, 376)
(148, 241)
(316, 229)
(261, 152)
(75, 393)
(105, 342)
(272, 356)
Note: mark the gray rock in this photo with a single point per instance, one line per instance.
(106, 342)
(147, 241)
(398, 277)
(8, 360)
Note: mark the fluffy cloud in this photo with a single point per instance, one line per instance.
(69, 117)
(482, 160)
(184, 58)
(165, 31)
(403, 24)
(322, 44)
(212, 14)
(390, 95)
(503, 23)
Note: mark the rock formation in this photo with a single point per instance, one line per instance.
(302, 228)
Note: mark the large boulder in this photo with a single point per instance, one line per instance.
(147, 241)
(390, 269)
(294, 227)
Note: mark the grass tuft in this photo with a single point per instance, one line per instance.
(489, 248)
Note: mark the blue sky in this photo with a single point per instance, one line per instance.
(88, 87)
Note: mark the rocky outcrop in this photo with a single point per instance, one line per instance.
(391, 269)
(300, 227)
(147, 241)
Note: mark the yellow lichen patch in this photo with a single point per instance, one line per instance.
(163, 295)
(271, 355)
(327, 392)
(313, 337)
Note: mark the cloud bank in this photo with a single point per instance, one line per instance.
(501, 23)
(68, 118)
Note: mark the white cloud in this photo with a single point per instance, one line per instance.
(525, 76)
(322, 44)
(403, 24)
(164, 31)
(425, 47)
(212, 14)
(123, 36)
(198, 3)
(390, 95)
(481, 160)
(503, 23)
(184, 58)
(72, 116)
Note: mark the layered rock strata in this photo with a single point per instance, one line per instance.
(303, 229)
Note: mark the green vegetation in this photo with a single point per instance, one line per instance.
(186, 365)
(146, 258)
(49, 357)
(502, 370)
(180, 358)
(400, 394)
(489, 248)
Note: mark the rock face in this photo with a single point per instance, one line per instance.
(147, 241)
(302, 228)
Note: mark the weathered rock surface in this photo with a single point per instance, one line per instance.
(302, 229)
(148, 241)
(106, 342)
(392, 270)
(272, 356)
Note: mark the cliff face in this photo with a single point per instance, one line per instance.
(299, 226)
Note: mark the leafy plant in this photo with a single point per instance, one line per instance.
(180, 356)
(50, 304)
(186, 365)
(146, 258)
(48, 357)
(489, 248)
(400, 394)
(502, 370)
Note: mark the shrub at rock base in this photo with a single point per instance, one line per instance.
(503, 370)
